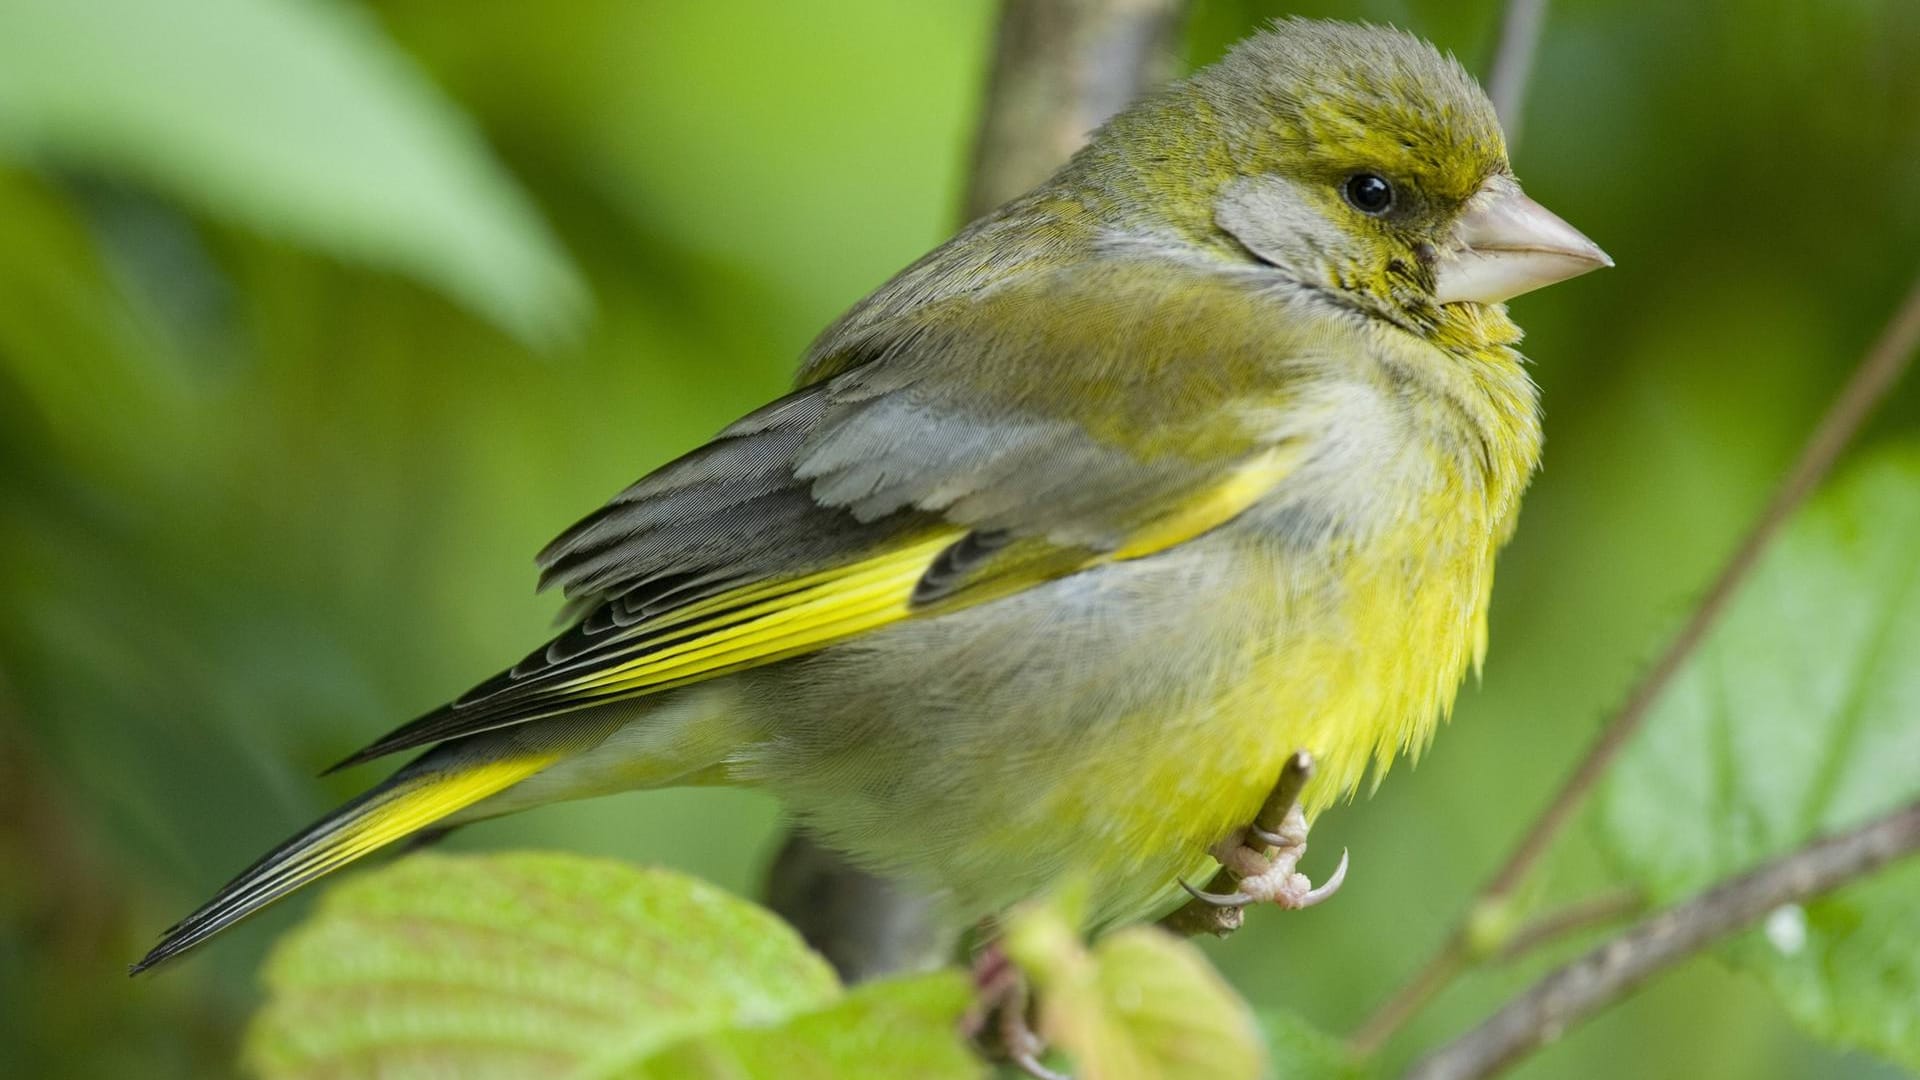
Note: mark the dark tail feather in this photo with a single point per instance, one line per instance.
(423, 792)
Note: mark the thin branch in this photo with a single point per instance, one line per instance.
(1447, 964)
(1610, 971)
(1060, 68)
(1608, 907)
(1877, 373)
(1520, 27)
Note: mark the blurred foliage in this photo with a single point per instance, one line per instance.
(268, 491)
(1300, 1051)
(548, 965)
(1801, 716)
(905, 1027)
(296, 119)
(1138, 1005)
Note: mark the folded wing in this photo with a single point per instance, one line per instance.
(975, 448)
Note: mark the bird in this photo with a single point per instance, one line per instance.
(1074, 532)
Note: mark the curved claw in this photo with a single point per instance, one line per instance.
(1327, 888)
(1030, 1065)
(1271, 839)
(1223, 900)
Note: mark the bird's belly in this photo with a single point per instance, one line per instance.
(1111, 725)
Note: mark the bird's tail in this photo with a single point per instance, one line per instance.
(435, 785)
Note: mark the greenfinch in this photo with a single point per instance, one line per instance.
(1077, 529)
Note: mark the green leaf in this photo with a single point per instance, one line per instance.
(299, 120)
(1847, 966)
(907, 1027)
(1140, 1004)
(1800, 716)
(521, 965)
(1301, 1051)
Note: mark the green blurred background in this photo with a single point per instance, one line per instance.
(316, 320)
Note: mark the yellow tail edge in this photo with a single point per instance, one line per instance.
(411, 800)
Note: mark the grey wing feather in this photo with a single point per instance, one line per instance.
(897, 446)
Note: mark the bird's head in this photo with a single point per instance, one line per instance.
(1354, 158)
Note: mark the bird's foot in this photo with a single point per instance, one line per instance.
(1259, 863)
(998, 1023)
(1264, 866)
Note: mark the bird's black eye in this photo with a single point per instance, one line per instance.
(1368, 193)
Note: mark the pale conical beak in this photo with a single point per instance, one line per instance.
(1506, 244)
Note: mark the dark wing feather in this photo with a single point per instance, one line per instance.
(963, 429)
(716, 522)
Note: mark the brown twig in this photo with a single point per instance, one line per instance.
(1512, 69)
(1196, 916)
(1610, 971)
(1060, 68)
(1608, 907)
(863, 924)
